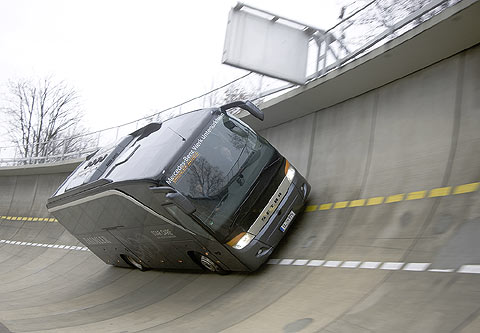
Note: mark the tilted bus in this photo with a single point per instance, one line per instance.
(199, 190)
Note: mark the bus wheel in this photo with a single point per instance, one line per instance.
(134, 262)
(208, 264)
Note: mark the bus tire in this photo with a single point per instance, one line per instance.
(134, 262)
(209, 265)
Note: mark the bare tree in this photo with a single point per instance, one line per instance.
(380, 15)
(43, 117)
(234, 92)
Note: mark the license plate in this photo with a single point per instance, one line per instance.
(289, 219)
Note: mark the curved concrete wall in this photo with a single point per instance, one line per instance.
(389, 242)
(25, 190)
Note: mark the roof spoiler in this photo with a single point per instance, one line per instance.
(246, 105)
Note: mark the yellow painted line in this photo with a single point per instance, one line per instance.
(325, 206)
(357, 203)
(466, 188)
(375, 201)
(341, 204)
(26, 218)
(395, 198)
(311, 208)
(440, 192)
(416, 195)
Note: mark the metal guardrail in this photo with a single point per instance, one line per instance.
(365, 27)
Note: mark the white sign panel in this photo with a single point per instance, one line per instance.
(266, 47)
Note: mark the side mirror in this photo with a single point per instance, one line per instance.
(247, 106)
(183, 203)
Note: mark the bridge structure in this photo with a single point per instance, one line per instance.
(388, 241)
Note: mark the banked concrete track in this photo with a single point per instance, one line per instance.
(389, 241)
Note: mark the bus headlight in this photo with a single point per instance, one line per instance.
(289, 172)
(241, 240)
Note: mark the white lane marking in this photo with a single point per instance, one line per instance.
(416, 266)
(370, 264)
(332, 263)
(350, 264)
(286, 261)
(395, 266)
(300, 262)
(315, 263)
(392, 266)
(54, 246)
(473, 269)
(441, 270)
(273, 261)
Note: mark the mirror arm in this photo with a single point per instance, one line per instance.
(245, 105)
(236, 104)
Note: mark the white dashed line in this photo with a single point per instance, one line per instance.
(332, 263)
(389, 266)
(370, 264)
(350, 264)
(286, 261)
(439, 270)
(315, 263)
(300, 262)
(273, 261)
(392, 266)
(416, 266)
(54, 246)
(412, 267)
(473, 269)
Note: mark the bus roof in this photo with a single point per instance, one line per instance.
(144, 154)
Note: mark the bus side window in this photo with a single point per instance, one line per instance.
(186, 221)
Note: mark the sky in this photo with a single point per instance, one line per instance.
(128, 59)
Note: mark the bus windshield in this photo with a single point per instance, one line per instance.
(218, 171)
